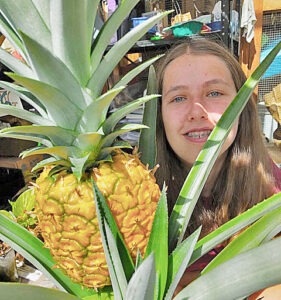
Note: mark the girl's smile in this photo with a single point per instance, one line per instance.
(199, 135)
(197, 89)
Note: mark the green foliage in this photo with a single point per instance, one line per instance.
(158, 273)
(23, 291)
(158, 243)
(254, 236)
(23, 209)
(147, 141)
(72, 97)
(240, 276)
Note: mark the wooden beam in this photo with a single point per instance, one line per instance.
(250, 52)
(2, 38)
(270, 5)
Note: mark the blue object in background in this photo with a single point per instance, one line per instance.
(275, 67)
(139, 20)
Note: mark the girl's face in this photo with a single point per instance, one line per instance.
(197, 89)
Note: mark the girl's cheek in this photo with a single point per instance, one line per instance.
(216, 115)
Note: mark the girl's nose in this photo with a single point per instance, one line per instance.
(197, 112)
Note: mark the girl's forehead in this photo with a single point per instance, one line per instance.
(196, 63)
(197, 71)
(193, 57)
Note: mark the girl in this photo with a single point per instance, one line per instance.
(198, 79)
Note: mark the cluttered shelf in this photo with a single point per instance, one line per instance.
(163, 44)
(147, 45)
(215, 19)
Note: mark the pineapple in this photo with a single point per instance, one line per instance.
(68, 221)
(62, 76)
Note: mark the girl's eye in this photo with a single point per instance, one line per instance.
(214, 94)
(179, 99)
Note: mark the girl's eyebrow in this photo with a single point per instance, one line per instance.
(206, 83)
(175, 88)
(216, 81)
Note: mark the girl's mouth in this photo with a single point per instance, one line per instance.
(198, 134)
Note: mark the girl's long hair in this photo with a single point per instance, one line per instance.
(246, 176)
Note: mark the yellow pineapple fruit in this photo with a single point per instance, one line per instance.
(68, 221)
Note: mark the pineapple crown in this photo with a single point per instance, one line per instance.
(62, 76)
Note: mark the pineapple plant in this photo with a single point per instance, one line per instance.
(62, 76)
(66, 72)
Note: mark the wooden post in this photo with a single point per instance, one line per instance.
(250, 52)
(271, 5)
(2, 38)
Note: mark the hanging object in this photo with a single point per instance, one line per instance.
(248, 20)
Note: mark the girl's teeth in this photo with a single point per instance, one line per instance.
(200, 134)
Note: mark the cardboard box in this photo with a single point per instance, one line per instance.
(12, 147)
(24, 164)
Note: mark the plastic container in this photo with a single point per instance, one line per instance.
(185, 28)
(215, 26)
(139, 20)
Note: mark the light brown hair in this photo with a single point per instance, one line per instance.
(245, 178)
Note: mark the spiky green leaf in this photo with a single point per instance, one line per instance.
(96, 112)
(117, 52)
(178, 262)
(51, 161)
(8, 214)
(25, 95)
(139, 259)
(142, 284)
(11, 34)
(136, 71)
(54, 101)
(56, 135)
(43, 8)
(15, 64)
(147, 141)
(234, 225)
(73, 24)
(62, 152)
(89, 141)
(239, 277)
(249, 239)
(24, 114)
(158, 243)
(53, 72)
(114, 262)
(109, 241)
(109, 29)
(78, 164)
(16, 16)
(127, 262)
(123, 128)
(15, 291)
(119, 114)
(26, 137)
